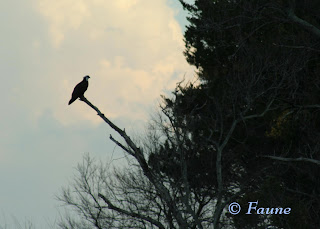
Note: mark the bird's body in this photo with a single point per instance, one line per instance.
(79, 89)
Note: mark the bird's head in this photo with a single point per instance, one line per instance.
(86, 78)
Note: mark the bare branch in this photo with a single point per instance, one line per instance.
(163, 191)
(121, 146)
(303, 159)
(306, 25)
(261, 114)
(132, 214)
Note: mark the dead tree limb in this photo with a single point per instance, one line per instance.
(138, 155)
(129, 213)
(303, 159)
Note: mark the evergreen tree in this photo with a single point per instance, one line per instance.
(256, 106)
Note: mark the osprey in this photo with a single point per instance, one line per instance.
(80, 89)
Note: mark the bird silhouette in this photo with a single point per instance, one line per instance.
(79, 89)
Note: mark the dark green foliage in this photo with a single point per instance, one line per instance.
(250, 54)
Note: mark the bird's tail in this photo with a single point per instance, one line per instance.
(71, 101)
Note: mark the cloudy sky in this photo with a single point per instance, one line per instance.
(132, 49)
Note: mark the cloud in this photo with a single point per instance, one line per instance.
(131, 49)
(63, 16)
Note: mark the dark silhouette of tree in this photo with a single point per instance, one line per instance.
(253, 119)
(135, 199)
(247, 130)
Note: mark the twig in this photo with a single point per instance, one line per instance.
(303, 159)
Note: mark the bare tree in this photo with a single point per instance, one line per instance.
(138, 197)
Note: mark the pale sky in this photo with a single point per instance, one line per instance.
(133, 52)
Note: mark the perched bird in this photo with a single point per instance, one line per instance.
(80, 89)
